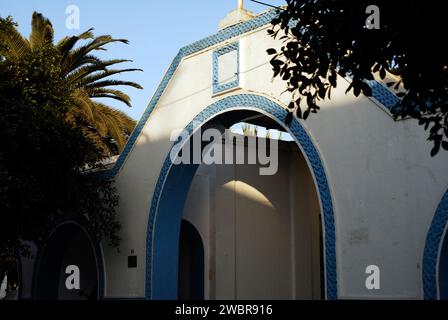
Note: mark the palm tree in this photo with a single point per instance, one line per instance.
(87, 77)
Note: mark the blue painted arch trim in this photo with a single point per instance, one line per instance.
(434, 241)
(157, 248)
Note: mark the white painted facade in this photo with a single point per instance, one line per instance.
(385, 188)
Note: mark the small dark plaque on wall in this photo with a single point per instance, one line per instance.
(132, 261)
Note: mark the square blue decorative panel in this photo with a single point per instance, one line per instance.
(226, 68)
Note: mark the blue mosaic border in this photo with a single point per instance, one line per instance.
(217, 88)
(274, 110)
(432, 246)
(379, 92)
(383, 95)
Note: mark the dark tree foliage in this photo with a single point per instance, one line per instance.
(323, 38)
(48, 168)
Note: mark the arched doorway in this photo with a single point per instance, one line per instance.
(191, 263)
(262, 233)
(68, 245)
(175, 181)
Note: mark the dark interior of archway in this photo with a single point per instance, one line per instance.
(68, 245)
(191, 263)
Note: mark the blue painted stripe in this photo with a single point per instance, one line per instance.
(166, 235)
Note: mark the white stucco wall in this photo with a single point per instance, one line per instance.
(260, 233)
(384, 184)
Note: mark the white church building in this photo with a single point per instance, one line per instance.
(357, 208)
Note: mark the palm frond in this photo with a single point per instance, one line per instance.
(41, 31)
(108, 83)
(66, 44)
(84, 71)
(126, 122)
(71, 63)
(83, 105)
(118, 123)
(109, 93)
(114, 130)
(17, 45)
(95, 44)
(101, 75)
(75, 77)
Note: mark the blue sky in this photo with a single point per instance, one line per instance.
(156, 30)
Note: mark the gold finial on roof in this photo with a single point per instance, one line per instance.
(240, 5)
